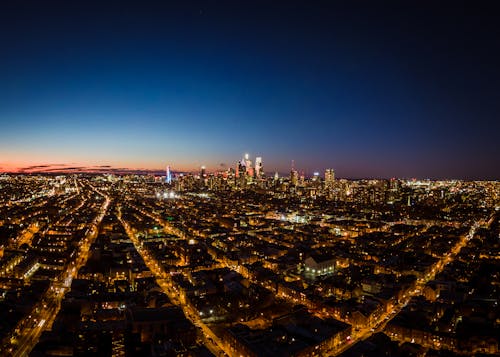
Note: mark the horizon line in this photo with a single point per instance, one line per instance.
(158, 172)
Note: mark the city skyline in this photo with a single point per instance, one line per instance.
(372, 91)
(249, 178)
(170, 172)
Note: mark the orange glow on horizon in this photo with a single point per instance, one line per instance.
(55, 166)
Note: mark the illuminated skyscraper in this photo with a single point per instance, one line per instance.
(203, 172)
(248, 164)
(294, 175)
(258, 167)
(241, 168)
(168, 176)
(329, 178)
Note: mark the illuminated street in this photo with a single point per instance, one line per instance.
(44, 312)
(249, 179)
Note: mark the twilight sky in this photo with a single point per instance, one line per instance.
(392, 89)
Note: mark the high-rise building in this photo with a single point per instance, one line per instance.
(258, 167)
(168, 176)
(248, 164)
(241, 168)
(329, 178)
(203, 172)
(237, 170)
(294, 177)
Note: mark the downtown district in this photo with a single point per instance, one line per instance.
(240, 263)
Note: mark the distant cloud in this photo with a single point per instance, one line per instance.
(37, 167)
(44, 167)
(97, 169)
(66, 169)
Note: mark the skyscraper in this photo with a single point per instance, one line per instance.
(168, 176)
(258, 167)
(294, 175)
(241, 168)
(329, 178)
(248, 164)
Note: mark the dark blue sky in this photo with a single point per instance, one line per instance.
(393, 89)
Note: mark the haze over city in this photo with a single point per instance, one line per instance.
(372, 89)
